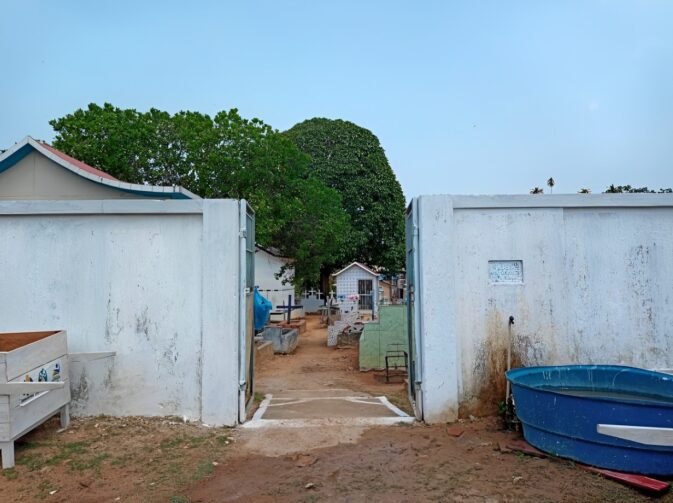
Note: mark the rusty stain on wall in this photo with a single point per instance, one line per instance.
(79, 392)
(112, 328)
(488, 382)
(488, 387)
(143, 324)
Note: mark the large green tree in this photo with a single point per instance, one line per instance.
(218, 157)
(350, 159)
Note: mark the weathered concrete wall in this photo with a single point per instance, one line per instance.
(37, 177)
(596, 289)
(266, 268)
(154, 281)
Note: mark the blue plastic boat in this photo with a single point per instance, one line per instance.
(609, 416)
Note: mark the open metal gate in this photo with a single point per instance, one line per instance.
(246, 310)
(413, 309)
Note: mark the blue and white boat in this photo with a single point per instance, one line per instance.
(609, 416)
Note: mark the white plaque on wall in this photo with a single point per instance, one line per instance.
(505, 272)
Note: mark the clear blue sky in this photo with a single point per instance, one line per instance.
(466, 97)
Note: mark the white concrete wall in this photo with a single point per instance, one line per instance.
(266, 268)
(347, 284)
(596, 288)
(154, 281)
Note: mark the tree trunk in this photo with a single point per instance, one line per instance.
(324, 281)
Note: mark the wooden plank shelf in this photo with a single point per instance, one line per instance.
(33, 384)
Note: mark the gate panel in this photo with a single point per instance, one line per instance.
(247, 321)
(413, 308)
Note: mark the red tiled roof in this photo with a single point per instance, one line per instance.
(77, 163)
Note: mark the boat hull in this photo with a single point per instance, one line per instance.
(627, 402)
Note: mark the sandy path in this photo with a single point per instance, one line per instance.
(314, 366)
(316, 398)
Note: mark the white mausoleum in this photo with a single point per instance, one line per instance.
(358, 281)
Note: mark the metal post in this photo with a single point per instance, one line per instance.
(509, 354)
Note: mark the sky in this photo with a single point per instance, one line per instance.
(466, 97)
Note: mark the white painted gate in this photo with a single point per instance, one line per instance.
(247, 321)
(413, 310)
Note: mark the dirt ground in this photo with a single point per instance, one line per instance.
(113, 459)
(165, 460)
(138, 460)
(408, 464)
(385, 463)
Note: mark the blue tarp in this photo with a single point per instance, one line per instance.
(263, 307)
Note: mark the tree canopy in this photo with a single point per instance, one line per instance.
(219, 157)
(618, 189)
(350, 159)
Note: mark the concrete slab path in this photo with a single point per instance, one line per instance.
(326, 407)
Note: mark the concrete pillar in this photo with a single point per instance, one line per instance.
(220, 307)
(440, 360)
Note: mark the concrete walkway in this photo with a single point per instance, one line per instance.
(300, 408)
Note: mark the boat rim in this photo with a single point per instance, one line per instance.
(643, 403)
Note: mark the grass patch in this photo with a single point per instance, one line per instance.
(172, 455)
(38, 460)
(31, 461)
(258, 397)
(171, 443)
(197, 441)
(44, 488)
(203, 469)
(179, 499)
(122, 460)
(76, 447)
(9, 473)
(24, 446)
(88, 464)
(66, 451)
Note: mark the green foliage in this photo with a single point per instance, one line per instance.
(619, 189)
(225, 156)
(350, 159)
